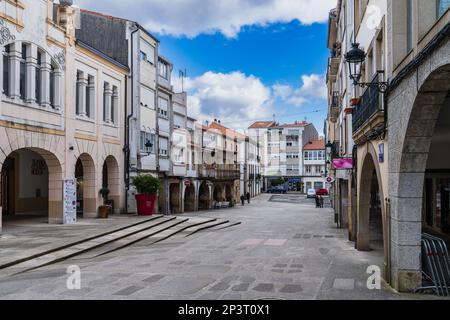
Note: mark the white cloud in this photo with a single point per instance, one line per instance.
(234, 98)
(313, 88)
(193, 17)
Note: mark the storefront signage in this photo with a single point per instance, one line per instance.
(381, 153)
(70, 201)
(343, 163)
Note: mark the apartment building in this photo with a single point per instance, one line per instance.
(314, 165)
(282, 151)
(61, 116)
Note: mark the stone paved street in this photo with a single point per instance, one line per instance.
(284, 249)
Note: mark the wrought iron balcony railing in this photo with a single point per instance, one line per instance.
(371, 103)
(335, 106)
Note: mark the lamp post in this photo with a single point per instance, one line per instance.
(354, 58)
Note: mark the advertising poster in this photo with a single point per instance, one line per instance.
(70, 201)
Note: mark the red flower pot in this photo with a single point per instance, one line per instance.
(354, 102)
(348, 110)
(145, 204)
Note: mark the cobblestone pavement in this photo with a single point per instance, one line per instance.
(285, 248)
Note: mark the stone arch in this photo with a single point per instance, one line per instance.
(229, 196)
(218, 193)
(55, 181)
(174, 194)
(414, 108)
(189, 198)
(85, 173)
(204, 196)
(111, 180)
(370, 171)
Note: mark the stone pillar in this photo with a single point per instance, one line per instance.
(46, 69)
(81, 89)
(14, 60)
(2, 51)
(90, 109)
(57, 76)
(115, 105)
(31, 63)
(350, 210)
(107, 102)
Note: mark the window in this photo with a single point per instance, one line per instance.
(163, 147)
(147, 137)
(23, 72)
(318, 169)
(306, 155)
(142, 56)
(114, 104)
(52, 86)
(163, 70)
(6, 70)
(147, 97)
(442, 7)
(308, 169)
(409, 21)
(163, 107)
(38, 78)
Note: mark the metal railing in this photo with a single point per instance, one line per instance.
(435, 266)
(371, 102)
(335, 106)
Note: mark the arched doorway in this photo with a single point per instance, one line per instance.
(370, 208)
(111, 180)
(86, 186)
(204, 200)
(418, 148)
(175, 198)
(189, 199)
(229, 194)
(218, 195)
(31, 185)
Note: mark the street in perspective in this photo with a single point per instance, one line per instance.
(271, 150)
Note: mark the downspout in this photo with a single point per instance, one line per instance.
(127, 123)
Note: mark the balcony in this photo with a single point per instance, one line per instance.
(219, 172)
(368, 116)
(335, 106)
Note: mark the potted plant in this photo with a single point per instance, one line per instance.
(105, 210)
(147, 188)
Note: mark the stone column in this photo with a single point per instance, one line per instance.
(90, 109)
(107, 103)
(57, 76)
(31, 63)
(46, 69)
(115, 105)
(2, 51)
(81, 89)
(14, 59)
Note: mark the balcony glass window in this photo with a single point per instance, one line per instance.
(442, 7)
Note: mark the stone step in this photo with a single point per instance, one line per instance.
(151, 226)
(44, 250)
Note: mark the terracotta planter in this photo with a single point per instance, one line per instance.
(145, 204)
(104, 212)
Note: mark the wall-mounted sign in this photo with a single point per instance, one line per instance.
(70, 201)
(329, 180)
(343, 163)
(381, 153)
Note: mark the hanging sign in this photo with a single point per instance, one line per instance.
(70, 201)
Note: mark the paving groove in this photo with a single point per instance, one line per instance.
(156, 229)
(51, 250)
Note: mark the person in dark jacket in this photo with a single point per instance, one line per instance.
(243, 200)
(321, 201)
(248, 197)
(317, 201)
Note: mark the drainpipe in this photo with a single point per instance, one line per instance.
(127, 123)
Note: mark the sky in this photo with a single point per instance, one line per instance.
(246, 60)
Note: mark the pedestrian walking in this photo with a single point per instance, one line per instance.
(248, 196)
(243, 200)
(321, 202)
(317, 201)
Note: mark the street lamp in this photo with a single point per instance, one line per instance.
(148, 147)
(354, 58)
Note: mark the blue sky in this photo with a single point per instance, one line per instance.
(246, 60)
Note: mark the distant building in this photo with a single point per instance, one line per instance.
(314, 165)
